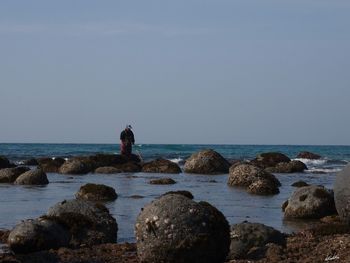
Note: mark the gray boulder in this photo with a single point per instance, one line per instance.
(50, 165)
(9, 175)
(5, 163)
(39, 234)
(96, 192)
(88, 222)
(309, 202)
(246, 236)
(255, 179)
(291, 167)
(32, 177)
(342, 194)
(74, 166)
(206, 162)
(161, 166)
(270, 159)
(174, 228)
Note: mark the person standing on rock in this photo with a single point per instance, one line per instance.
(127, 139)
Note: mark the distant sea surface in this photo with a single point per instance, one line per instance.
(22, 202)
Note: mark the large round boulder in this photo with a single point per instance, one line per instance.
(291, 167)
(50, 165)
(309, 202)
(39, 234)
(5, 163)
(96, 192)
(88, 222)
(308, 155)
(74, 166)
(270, 159)
(32, 177)
(246, 236)
(206, 162)
(255, 179)
(161, 166)
(9, 175)
(174, 228)
(342, 194)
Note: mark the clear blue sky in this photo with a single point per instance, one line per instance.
(184, 71)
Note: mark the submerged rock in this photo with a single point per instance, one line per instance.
(300, 184)
(255, 179)
(309, 202)
(39, 234)
(308, 155)
(206, 162)
(9, 175)
(88, 222)
(162, 181)
(174, 228)
(32, 177)
(96, 192)
(107, 170)
(342, 194)
(161, 166)
(246, 236)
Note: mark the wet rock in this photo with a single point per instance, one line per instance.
(129, 167)
(88, 222)
(342, 194)
(180, 192)
(270, 159)
(310, 202)
(246, 236)
(255, 179)
(308, 155)
(300, 184)
(31, 162)
(9, 175)
(5, 163)
(39, 234)
(263, 187)
(104, 160)
(50, 165)
(96, 192)
(32, 177)
(206, 162)
(107, 170)
(161, 166)
(162, 181)
(291, 167)
(174, 228)
(74, 166)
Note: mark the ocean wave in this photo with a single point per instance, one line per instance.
(310, 162)
(323, 170)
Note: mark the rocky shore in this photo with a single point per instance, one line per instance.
(174, 227)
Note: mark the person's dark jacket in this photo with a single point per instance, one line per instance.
(127, 136)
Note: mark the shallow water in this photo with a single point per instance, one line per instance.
(23, 202)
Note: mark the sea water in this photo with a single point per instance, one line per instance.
(23, 202)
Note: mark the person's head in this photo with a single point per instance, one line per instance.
(128, 127)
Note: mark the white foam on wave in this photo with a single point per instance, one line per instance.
(176, 160)
(310, 162)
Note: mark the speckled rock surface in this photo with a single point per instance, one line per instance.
(174, 228)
